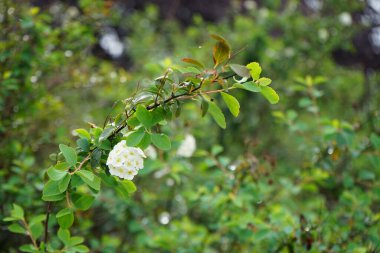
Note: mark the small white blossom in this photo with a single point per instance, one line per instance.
(124, 161)
(187, 147)
(345, 19)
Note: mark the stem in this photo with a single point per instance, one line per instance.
(186, 95)
(48, 210)
(81, 164)
(29, 233)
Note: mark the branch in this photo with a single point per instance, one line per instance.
(81, 164)
(48, 210)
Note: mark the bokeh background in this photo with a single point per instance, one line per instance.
(299, 176)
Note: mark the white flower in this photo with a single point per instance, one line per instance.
(345, 19)
(187, 147)
(124, 161)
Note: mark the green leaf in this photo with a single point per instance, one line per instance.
(158, 115)
(51, 191)
(57, 197)
(83, 133)
(204, 106)
(82, 202)
(69, 154)
(37, 219)
(64, 236)
(161, 141)
(28, 248)
(64, 183)
(55, 174)
(125, 188)
(270, 94)
(264, 81)
(17, 212)
(80, 248)
(36, 230)
(145, 142)
(75, 240)
(105, 145)
(88, 175)
(83, 144)
(95, 158)
(250, 86)
(89, 178)
(254, 70)
(232, 103)
(375, 140)
(65, 218)
(106, 133)
(144, 116)
(16, 228)
(217, 114)
(129, 186)
(240, 70)
(134, 138)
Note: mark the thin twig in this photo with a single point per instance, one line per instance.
(48, 210)
(81, 164)
(29, 233)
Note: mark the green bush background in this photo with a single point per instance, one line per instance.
(302, 175)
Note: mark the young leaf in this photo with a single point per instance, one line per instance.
(232, 103)
(217, 114)
(134, 138)
(250, 86)
(144, 116)
(83, 133)
(240, 70)
(17, 212)
(254, 70)
(69, 154)
(221, 50)
(161, 141)
(264, 81)
(65, 218)
(270, 94)
(193, 62)
(129, 186)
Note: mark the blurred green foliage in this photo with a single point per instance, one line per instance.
(299, 176)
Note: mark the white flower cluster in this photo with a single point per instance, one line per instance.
(187, 147)
(124, 161)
